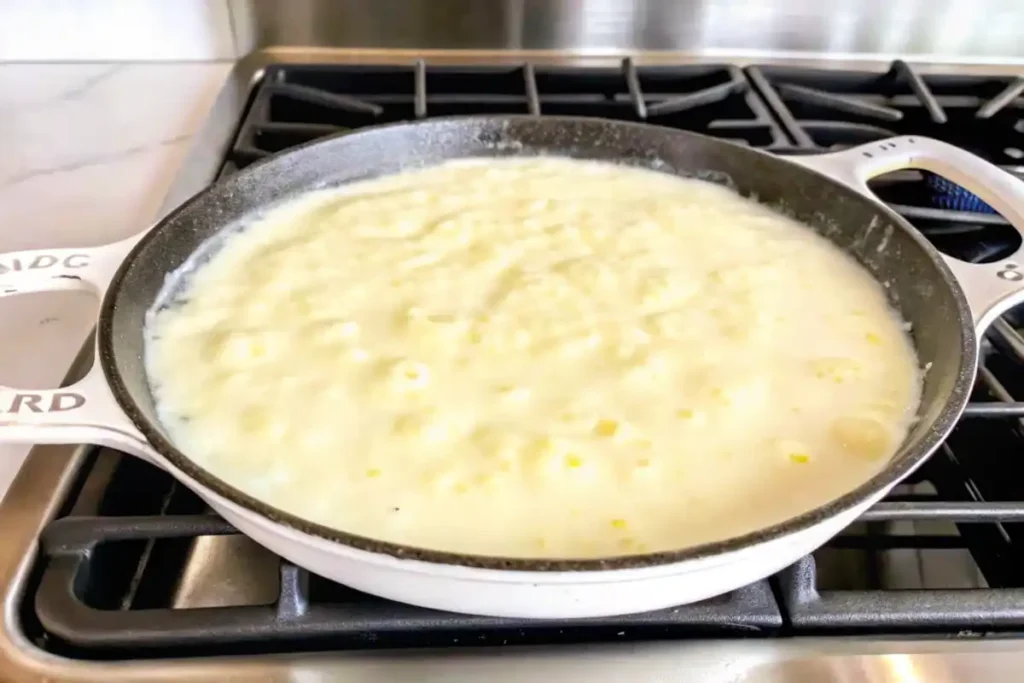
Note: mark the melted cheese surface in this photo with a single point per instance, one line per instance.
(534, 358)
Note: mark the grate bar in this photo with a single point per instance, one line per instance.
(969, 511)
(75, 534)
(247, 154)
(294, 600)
(128, 599)
(1004, 334)
(965, 609)
(530, 83)
(882, 542)
(420, 82)
(675, 105)
(633, 84)
(927, 213)
(922, 91)
(1011, 92)
(994, 410)
(994, 385)
(316, 129)
(795, 131)
(839, 103)
(997, 389)
(327, 99)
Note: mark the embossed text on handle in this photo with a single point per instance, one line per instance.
(45, 261)
(24, 402)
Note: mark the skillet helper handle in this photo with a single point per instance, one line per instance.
(991, 288)
(84, 412)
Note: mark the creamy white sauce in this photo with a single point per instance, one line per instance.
(534, 358)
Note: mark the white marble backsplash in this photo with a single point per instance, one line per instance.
(86, 146)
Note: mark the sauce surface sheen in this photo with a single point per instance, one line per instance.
(534, 358)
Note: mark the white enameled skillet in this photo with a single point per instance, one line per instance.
(948, 303)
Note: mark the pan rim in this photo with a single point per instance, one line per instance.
(902, 463)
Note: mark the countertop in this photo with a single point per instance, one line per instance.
(87, 153)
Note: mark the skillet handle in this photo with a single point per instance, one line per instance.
(84, 412)
(991, 288)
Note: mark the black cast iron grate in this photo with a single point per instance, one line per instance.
(830, 110)
(118, 576)
(297, 104)
(131, 617)
(834, 109)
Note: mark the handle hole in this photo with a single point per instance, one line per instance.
(953, 219)
(41, 334)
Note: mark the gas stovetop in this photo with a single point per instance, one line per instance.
(134, 567)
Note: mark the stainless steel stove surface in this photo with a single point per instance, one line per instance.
(131, 566)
